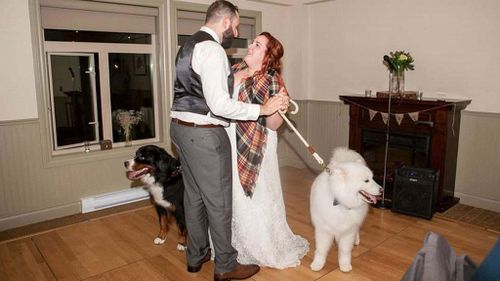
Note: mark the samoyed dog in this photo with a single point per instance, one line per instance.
(340, 196)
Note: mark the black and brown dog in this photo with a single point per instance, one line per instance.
(162, 178)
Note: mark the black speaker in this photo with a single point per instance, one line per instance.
(415, 191)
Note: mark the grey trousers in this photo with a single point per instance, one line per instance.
(205, 155)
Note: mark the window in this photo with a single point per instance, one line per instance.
(191, 17)
(74, 100)
(101, 60)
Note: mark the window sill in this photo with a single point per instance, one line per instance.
(122, 153)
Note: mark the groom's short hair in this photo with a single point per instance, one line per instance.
(221, 8)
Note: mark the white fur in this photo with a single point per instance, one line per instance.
(155, 190)
(341, 222)
(159, 241)
(343, 155)
(181, 248)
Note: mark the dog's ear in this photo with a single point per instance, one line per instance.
(338, 172)
(167, 162)
(361, 161)
(173, 163)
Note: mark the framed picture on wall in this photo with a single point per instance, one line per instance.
(140, 64)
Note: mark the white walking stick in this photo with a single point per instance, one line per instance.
(309, 147)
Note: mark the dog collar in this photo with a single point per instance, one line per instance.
(177, 172)
(335, 202)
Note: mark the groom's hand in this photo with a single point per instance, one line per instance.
(278, 102)
(283, 92)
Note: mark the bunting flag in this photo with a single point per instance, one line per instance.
(413, 116)
(385, 117)
(372, 113)
(399, 117)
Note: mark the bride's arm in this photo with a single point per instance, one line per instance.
(274, 121)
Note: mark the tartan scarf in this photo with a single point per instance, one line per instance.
(251, 136)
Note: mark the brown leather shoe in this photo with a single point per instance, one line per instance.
(240, 271)
(196, 268)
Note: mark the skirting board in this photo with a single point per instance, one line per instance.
(87, 204)
(112, 199)
(39, 216)
(479, 202)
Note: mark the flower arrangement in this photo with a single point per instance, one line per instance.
(399, 61)
(126, 119)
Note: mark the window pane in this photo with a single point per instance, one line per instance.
(74, 99)
(96, 36)
(131, 91)
(235, 43)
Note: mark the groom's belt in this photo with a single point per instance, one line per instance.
(189, 124)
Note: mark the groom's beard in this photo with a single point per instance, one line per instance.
(227, 38)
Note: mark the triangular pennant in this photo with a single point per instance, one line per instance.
(413, 116)
(399, 118)
(385, 117)
(372, 113)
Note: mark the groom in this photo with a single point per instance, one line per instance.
(201, 108)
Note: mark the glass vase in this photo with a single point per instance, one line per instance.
(128, 137)
(396, 83)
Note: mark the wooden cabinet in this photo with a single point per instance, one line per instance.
(438, 121)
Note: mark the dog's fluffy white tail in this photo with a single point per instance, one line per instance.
(344, 154)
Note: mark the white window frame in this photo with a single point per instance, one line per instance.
(52, 97)
(164, 58)
(103, 49)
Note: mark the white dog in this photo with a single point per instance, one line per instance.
(339, 204)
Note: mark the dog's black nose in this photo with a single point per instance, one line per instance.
(126, 164)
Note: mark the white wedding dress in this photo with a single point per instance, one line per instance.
(261, 234)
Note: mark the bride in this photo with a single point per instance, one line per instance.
(260, 232)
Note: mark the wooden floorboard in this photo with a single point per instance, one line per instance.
(120, 246)
(68, 220)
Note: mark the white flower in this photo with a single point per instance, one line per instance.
(127, 118)
(398, 61)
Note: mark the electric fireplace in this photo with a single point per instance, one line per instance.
(422, 134)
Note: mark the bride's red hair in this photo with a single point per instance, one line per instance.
(273, 55)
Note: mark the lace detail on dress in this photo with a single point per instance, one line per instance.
(260, 232)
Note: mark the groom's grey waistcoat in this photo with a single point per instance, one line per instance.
(188, 90)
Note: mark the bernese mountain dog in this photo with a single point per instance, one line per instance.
(162, 178)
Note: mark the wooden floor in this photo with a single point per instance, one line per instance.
(120, 246)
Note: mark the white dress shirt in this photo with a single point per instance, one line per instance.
(210, 62)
